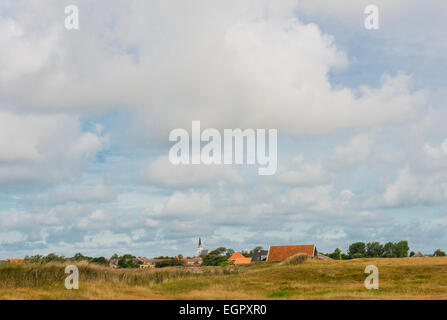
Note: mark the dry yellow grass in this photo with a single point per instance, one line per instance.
(400, 278)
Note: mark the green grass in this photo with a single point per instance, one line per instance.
(399, 278)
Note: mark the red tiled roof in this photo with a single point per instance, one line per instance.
(14, 260)
(279, 253)
(236, 256)
(242, 261)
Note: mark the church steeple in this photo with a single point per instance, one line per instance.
(199, 247)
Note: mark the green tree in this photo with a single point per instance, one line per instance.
(336, 255)
(79, 257)
(247, 254)
(388, 250)
(401, 249)
(217, 257)
(52, 257)
(374, 249)
(98, 260)
(34, 259)
(439, 253)
(357, 250)
(127, 261)
(169, 263)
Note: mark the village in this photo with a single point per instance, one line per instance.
(275, 253)
(203, 257)
(222, 256)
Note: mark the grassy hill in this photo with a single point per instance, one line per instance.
(400, 278)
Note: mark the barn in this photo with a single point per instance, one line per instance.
(280, 253)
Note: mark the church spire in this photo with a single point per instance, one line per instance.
(199, 247)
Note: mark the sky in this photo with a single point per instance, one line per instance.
(85, 117)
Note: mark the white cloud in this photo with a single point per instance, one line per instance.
(410, 25)
(433, 157)
(229, 64)
(78, 194)
(411, 188)
(183, 204)
(43, 148)
(254, 65)
(162, 172)
(354, 151)
(98, 215)
(302, 173)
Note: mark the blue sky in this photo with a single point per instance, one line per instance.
(85, 117)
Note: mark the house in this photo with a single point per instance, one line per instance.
(192, 261)
(148, 262)
(238, 258)
(259, 255)
(14, 260)
(145, 262)
(280, 253)
(113, 263)
(418, 255)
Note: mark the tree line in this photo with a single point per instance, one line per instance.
(376, 249)
(219, 256)
(372, 250)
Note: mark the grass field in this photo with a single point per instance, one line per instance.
(400, 278)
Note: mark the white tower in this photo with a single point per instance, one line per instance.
(199, 247)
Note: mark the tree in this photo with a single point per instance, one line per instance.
(34, 259)
(388, 250)
(357, 250)
(52, 257)
(412, 253)
(336, 255)
(169, 263)
(217, 257)
(374, 249)
(246, 254)
(98, 260)
(439, 253)
(127, 261)
(79, 257)
(401, 249)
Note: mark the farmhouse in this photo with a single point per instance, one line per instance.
(280, 253)
(259, 255)
(238, 258)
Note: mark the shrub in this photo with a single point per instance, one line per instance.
(299, 258)
(171, 262)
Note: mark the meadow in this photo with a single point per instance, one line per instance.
(399, 278)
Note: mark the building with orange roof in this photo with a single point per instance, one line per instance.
(243, 260)
(238, 258)
(14, 260)
(280, 253)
